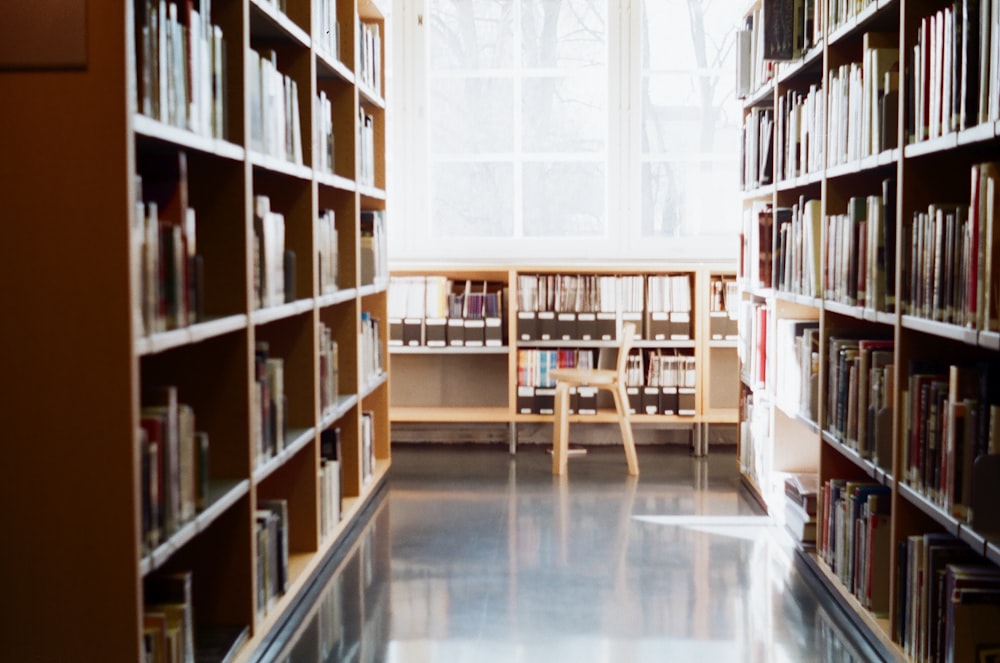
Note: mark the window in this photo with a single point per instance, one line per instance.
(519, 141)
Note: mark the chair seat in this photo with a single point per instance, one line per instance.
(596, 377)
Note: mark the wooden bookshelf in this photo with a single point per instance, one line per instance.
(83, 343)
(877, 163)
(448, 384)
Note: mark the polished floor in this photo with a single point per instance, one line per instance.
(473, 555)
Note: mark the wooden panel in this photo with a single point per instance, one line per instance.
(68, 374)
(44, 34)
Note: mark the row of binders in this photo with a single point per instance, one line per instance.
(595, 293)
(550, 326)
(723, 309)
(435, 311)
(655, 383)
(588, 306)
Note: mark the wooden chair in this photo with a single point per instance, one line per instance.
(610, 380)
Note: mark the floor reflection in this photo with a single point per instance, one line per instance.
(472, 555)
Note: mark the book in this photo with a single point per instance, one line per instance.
(168, 604)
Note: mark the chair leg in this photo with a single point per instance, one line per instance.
(625, 422)
(560, 429)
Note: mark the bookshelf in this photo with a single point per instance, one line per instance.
(868, 325)
(206, 319)
(439, 380)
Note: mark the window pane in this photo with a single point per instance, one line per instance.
(471, 34)
(565, 114)
(690, 119)
(564, 199)
(472, 200)
(687, 34)
(688, 199)
(472, 115)
(682, 115)
(567, 34)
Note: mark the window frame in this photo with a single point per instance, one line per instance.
(409, 183)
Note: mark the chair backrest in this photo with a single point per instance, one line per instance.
(628, 335)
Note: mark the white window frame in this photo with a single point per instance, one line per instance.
(409, 177)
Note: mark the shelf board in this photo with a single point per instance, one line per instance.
(760, 193)
(889, 157)
(761, 96)
(328, 66)
(867, 466)
(151, 128)
(755, 492)
(335, 181)
(374, 383)
(721, 415)
(267, 21)
(611, 417)
(263, 316)
(917, 499)
(222, 494)
(373, 288)
(808, 423)
(979, 542)
(343, 406)
(941, 329)
(801, 181)
(795, 416)
(371, 192)
(989, 340)
(276, 165)
(878, 626)
(337, 297)
(297, 440)
(370, 96)
(448, 350)
(793, 69)
(723, 343)
(977, 134)
(303, 566)
(839, 308)
(881, 317)
(931, 146)
(195, 333)
(993, 550)
(576, 343)
(477, 414)
(665, 343)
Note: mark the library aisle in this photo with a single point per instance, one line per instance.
(474, 555)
